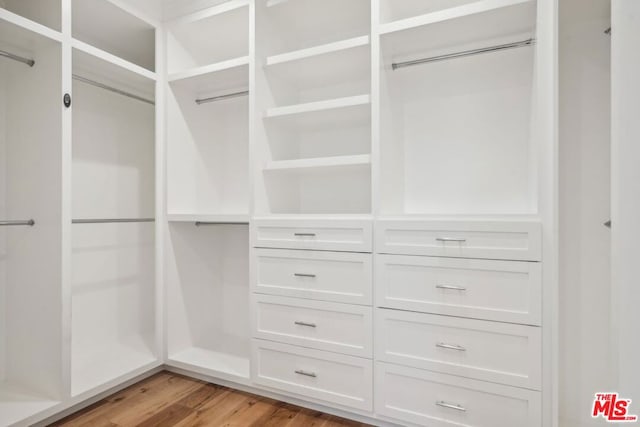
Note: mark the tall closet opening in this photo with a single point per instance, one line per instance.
(208, 193)
(30, 213)
(113, 196)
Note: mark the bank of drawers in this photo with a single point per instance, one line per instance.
(312, 320)
(457, 336)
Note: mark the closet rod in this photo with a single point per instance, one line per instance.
(111, 89)
(201, 223)
(222, 97)
(29, 62)
(489, 49)
(28, 222)
(110, 220)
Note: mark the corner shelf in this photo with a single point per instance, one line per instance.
(302, 165)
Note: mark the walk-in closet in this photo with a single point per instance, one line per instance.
(386, 211)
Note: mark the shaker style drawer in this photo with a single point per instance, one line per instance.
(510, 240)
(320, 375)
(439, 400)
(343, 328)
(319, 234)
(319, 275)
(505, 291)
(489, 351)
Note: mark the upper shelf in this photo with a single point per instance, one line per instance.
(102, 24)
(331, 63)
(211, 80)
(214, 35)
(46, 13)
(467, 25)
(351, 110)
(22, 37)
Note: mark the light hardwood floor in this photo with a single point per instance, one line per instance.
(168, 399)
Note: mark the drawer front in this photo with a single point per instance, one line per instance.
(319, 375)
(343, 328)
(508, 240)
(327, 235)
(488, 351)
(319, 275)
(439, 400)
(505, 291)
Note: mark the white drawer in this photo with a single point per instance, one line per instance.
(511, 240)
(320, 375)
(438, 400)
(488, 351)
(319, 275)
(330, 326)
(319, 234)
(506, 291)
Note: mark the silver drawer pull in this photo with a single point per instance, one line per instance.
(305, 373)
(304, 234)
(451, 346)
(444, 404)
(451, 287)
(451, 239)
(310, 325)
(304, 275)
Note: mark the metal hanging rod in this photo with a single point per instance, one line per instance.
(222, 97)
(112, 89)
(29, 62)
(489, 49)
(201, 223)
(28, 222)
(110, 220)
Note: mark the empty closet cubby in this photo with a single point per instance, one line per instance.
(105, 26)
(43, 12)
(457, 122)
(208, 37)
(207, 286)
(31, 335)
(113, 235)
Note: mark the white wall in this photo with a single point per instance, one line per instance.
(585, 357)
(626, 194)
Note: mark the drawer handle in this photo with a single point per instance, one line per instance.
(304, 234)
(451, 346)
(451, 239)
(305, 373)
(451, 287)
(444, 404)
(310, 325)
(304, 275)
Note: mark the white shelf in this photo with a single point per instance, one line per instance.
(22, 32)
(219, 70)
(237, 218)
(98, 364)
(319, 163)
(466, 25)
(17, 404)
(332, 63)
(113, 60)
(312, 107)
(214, 363)
(227, 6)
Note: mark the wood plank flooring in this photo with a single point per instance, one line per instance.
(168, 399)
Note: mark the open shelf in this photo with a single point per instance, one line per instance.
(456, 135)
(231, 218)
(229, 71)
(393, 10)
(214, 35)
(286, 26)
(208, 299)
(324, 65)
(335, 106)
(46, 13)
(104, 25)
(464, 27)
(313, 164)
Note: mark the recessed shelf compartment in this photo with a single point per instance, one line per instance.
(285, 26)
(104, 25)
(208, 300)
(47, 13)
(213, 35)
(457, 136)
(315, 164)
